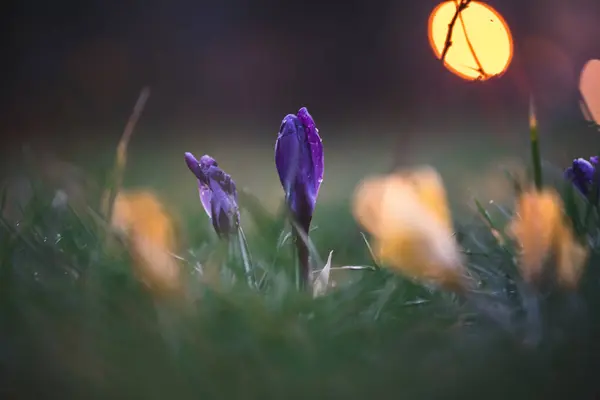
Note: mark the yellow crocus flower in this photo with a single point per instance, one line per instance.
(407, 213)
(541, 231)
(151, 238)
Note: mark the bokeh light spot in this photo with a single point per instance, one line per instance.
(484, 51)
(589, 86)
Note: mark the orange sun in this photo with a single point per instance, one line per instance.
(482, 45)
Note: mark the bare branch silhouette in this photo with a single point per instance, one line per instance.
(480, 69)
(459, 8)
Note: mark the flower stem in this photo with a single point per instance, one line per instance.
(303, 269)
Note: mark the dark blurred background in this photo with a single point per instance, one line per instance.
(224, 73)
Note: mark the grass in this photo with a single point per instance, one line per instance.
(76, 322)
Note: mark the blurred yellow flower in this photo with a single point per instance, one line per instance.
(541, 231)
(571, 258)
(150, 236)
(408, 215)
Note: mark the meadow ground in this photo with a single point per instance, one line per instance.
(77, 321)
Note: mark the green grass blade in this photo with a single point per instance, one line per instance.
(314, 254)
(535, 147)
(114, 186)
(246, 260)
(493, 225)
(370, 249)
(572, 209)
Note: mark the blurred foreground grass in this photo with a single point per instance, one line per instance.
(77, 323)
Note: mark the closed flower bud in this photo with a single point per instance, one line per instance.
(218, 193)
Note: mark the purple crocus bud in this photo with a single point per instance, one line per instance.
(581, 173)
(594, 160)
(218, 193)
(299, 162)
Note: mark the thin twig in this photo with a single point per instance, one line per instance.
(459, 8)
(480, 69)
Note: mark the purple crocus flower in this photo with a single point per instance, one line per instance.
(299, 162)
(581, 173)
(218, 193)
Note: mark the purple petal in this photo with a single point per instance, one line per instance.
(224, 211)
(294, 164)
(581, 173)
(583, 168)
(569, 174)
(217, 175)
(287, 150)
(203, 189)
(205, 196)
(193, 164)
(594, 160)
(299, 162)
(207, 161)
(216, 188)
(316, 148)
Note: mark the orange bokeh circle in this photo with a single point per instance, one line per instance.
(488, 37)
